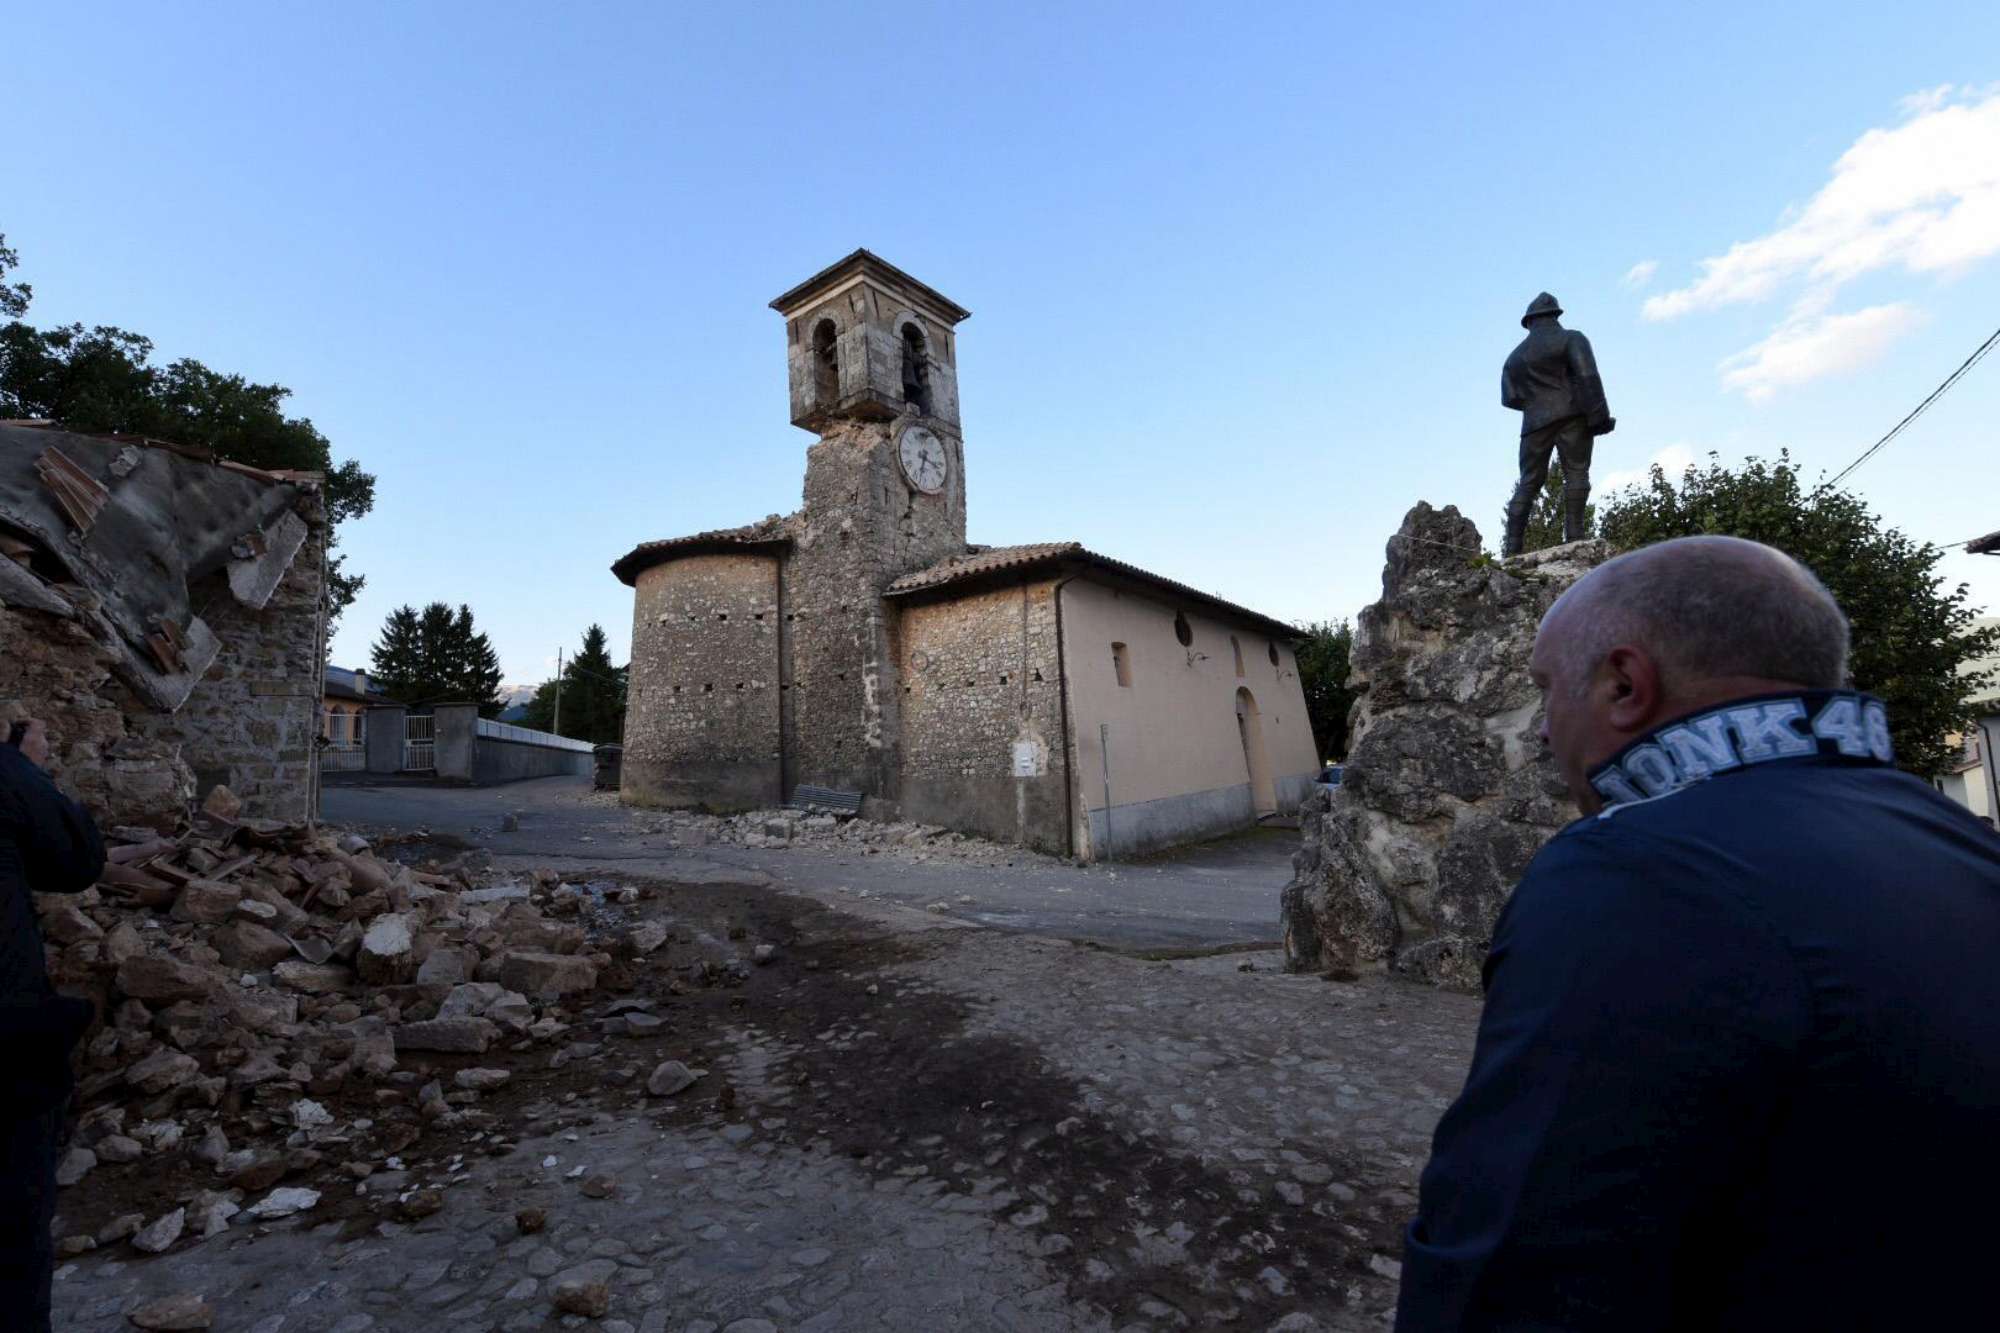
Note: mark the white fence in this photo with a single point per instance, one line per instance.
(507, 731)
(343, 759)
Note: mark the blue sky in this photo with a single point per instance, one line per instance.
(1242, 277)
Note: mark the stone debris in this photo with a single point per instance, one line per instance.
(182, 1311)
(158, 1235)
(481, 1080)
(824, 831)
(262, 989)
(74, 1166)
(419, 1204)
(584, 1289)
(282, 1202)
(669, 1078)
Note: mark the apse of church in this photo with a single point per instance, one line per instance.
(861, 646)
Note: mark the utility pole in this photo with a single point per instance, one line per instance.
(557, 725)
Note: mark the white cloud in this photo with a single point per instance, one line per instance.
(1924, 195)
(1673, 460)
(1811, 344)
(1927, 100)
(1641, 273)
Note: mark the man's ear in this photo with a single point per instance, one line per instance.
(1636, 698)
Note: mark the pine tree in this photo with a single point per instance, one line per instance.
(593, 695)
(437, 656)
(395, 661)
(476, 665)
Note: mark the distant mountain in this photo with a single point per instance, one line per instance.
(517, 698)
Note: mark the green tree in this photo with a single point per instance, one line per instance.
(1322, 654)
(1545, 521)
(593, 696)
(436, 656)
(1912, 635)
(103, 379)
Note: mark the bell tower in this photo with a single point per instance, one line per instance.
(873, 370)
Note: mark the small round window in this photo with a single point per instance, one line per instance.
(1182, 630)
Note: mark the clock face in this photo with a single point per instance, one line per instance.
(925, 461)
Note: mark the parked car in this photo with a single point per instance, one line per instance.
(1329, 777)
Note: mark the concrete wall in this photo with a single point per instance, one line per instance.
(385, 737)
(510, 761)
(981, 690)
(252, 722)
(702, 722)
(1175, 759)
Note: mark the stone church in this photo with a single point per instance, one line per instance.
(1045, 695)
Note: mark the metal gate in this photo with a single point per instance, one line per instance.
(419, 744)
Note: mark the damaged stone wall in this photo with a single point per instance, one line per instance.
(862, 527)
(166, 614)
(251, 722)
(53, 668)
(1448, 792)
(702, 725)
(982, 694)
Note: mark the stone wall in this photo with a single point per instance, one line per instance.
(52, 668)
(981, 690)
(1448, 792)
(251, 724)
(861, 528)
(702, 722)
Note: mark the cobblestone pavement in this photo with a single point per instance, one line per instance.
(935, 1128)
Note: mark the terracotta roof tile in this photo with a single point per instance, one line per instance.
(751, 536)
(996, 560)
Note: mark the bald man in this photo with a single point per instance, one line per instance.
(1739, 1064)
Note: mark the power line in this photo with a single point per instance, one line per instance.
(1916, 411)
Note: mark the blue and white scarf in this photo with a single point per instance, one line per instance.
(1763, 729)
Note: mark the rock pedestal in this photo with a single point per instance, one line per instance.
(1447, 792)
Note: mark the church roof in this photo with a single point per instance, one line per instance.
(764, 536)
(998, 561)
(869, 263)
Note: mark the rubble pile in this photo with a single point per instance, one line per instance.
(262, 989)
(828, 832)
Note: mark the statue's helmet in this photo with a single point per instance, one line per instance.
(1541, 305)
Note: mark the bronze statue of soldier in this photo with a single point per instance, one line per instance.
(1551, 380)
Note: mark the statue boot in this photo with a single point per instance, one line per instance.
(1517, 529)
(1576, 523)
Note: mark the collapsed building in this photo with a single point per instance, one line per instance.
(165, 613)
(860, 651)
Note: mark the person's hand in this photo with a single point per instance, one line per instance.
(35, 742)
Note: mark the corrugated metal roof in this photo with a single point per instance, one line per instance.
(751, 536)
(998, 560)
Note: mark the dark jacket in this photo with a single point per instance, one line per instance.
(1552, 376)
(1739, 1065)
(48, 844)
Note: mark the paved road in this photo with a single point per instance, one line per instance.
(1214, 895)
